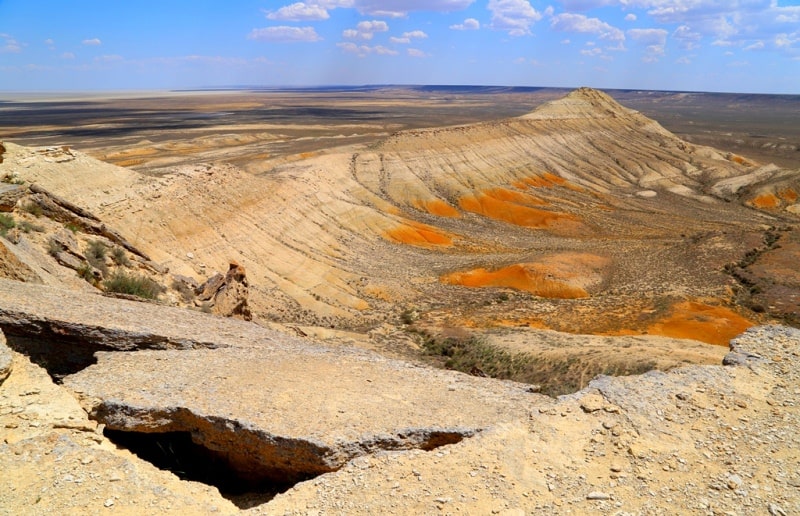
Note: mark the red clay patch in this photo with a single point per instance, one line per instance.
(711, 324)
(421, 235)
(512, 212)
(788, 195)
(518, 276)
(766, 201)
(438, 207)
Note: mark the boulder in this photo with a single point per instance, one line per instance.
(5, 359)
(226, 295)
(9, 196)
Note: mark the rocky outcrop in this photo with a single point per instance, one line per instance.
(62, 210)
(42, 312)
(5, 359)
(226, 295)
(272, 406)
(272, 412)
(55, 460)
(13, 268)
(10, 194)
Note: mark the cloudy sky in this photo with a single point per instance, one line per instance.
(700, 45)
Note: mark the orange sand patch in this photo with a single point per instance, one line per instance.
(788, 195)
(546, 180)
(698, 321)
(766, 201)
(511, 212)
(524, 277)
(501, 194)
(438, 207)
(127, 162)
(422, 235)
(740, 160)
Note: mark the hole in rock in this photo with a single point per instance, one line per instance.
(176, 452)
(59, 357)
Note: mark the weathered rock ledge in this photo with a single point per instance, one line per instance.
(44, 312)
(694, 440)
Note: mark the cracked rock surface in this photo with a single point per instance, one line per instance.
(697, 440)
(296, 413)
(56, 461)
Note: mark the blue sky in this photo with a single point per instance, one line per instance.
(703, 45)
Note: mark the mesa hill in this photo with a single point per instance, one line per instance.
(470, 240)
(582, 203)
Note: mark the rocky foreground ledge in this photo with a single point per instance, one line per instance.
(373, 435)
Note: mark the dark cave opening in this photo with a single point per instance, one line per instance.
(60, 357)
(176, 452)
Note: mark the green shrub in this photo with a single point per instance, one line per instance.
(72, 227)
(96, 252)
(131, 284)
(6, 223)
(555, 376)
(119, 256)
(33, 208)
(53, 247)
(27, 226)
(86, 272)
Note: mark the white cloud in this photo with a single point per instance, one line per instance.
(299, 11)
(786, 41)
(383, 51)
(10, 45)
(364, 50)
(725, 22)
(285, 34)
(92, 42)
(568, 22)
(415, 34)
(415, 52)
(758, 45)
(592, 52)
(366, 29)
(654, 41)
(400, 8)
(687, 38)
(469, 24)
(513, 16)
(685, 60)
(408, 36)
(630, 17)
(108, 58)
(67, 55)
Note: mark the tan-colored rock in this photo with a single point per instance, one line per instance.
(230, 298)
(10, 194)
(56, 461)
(13, 268)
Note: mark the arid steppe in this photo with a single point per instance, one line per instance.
(536, 235)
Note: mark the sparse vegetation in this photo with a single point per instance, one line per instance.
(120, 257)
(6, 223)
(96, 252)
(86, 272)
(33, 208)
(14, 180)
(26, 227)
(53, 247)
(72, 227)
(555, 376)
(135, 285)
(186, 292)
